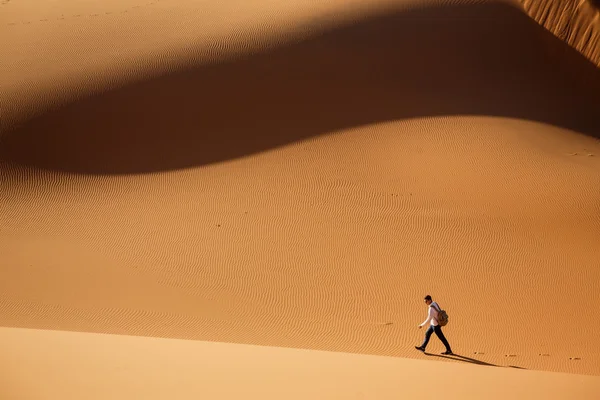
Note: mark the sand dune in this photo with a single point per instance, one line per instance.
(299, 174)
(134, 367)
(464, 62)
(573, 21)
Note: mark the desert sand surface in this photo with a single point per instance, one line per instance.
(576, 22)
(95, 366)
(298, 174)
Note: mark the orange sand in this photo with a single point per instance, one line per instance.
(577, 22)
(96, 366)
(296, 174)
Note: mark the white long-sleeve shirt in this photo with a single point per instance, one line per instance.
(432, 314)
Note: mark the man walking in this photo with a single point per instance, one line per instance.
(432, 316)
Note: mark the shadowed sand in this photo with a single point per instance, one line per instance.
(166, 174)
(457, 59)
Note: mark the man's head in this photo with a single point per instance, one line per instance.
(428, 300)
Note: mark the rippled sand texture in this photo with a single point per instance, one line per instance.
(299, 174)
(577, 22)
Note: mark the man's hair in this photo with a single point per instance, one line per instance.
(428, 297)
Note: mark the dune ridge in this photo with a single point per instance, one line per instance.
(576, 22)
(27, 91)
(466, 64)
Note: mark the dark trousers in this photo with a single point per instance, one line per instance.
(438, 331)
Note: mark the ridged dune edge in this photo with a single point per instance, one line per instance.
(576, 22)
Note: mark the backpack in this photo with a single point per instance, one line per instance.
(442, 317)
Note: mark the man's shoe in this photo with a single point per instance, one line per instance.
(420, 348)
(448, 353)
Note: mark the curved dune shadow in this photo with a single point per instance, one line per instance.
(488, 59)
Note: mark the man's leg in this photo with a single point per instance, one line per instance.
(440, 334)
(428, 334)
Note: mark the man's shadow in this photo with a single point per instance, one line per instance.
(458, 357)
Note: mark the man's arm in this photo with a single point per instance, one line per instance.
(429, 316)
